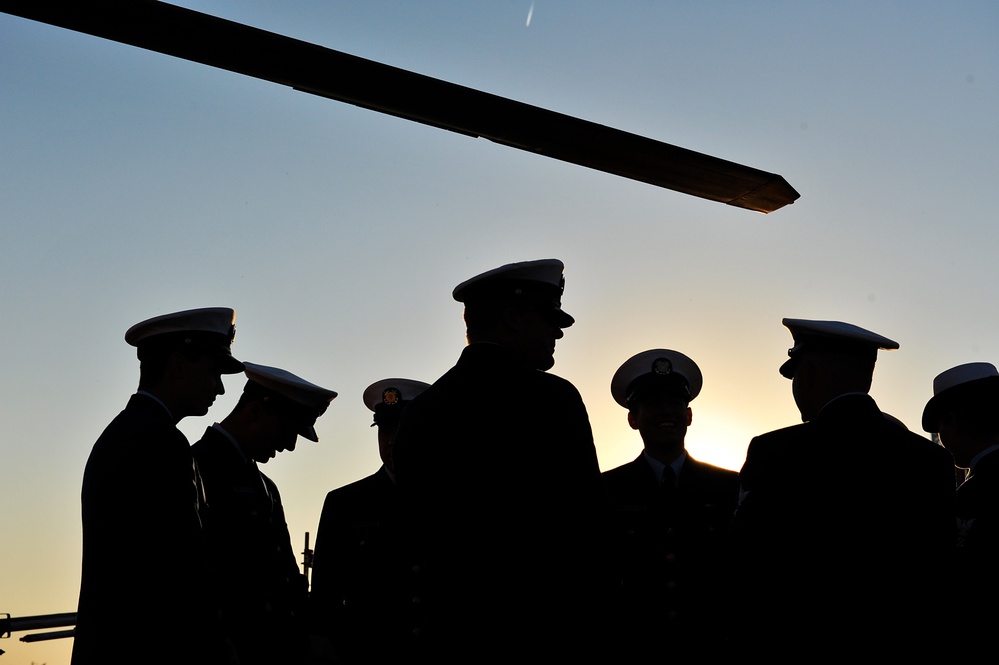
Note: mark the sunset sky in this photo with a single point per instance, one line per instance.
(134, 184)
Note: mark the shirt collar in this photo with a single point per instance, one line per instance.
(658, 467)
(979, 456)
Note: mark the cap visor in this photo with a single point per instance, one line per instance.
(929, 420)
(230, 365)
(562, 319)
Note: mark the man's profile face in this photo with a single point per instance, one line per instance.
(801, 388)
(952, 437)
(661, 420)
(202, 383)
(275, 432)
(387, 427)
(535, 337)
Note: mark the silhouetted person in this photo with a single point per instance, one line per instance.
(363, 583)
(263, 593)
(497, 464)
(144, 592)
(964, 411)
(671, 518)
(845, 522)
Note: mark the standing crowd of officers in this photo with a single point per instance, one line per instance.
(490, 535)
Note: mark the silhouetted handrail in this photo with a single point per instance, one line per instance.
(54, 635)
(10, 624)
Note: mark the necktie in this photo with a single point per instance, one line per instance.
(667, 485)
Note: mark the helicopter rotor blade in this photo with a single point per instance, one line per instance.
(311, 68)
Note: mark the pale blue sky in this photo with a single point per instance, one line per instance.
(134, 184)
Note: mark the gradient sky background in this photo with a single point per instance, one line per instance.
(134, 184)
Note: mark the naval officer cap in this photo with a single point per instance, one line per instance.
(654, 373)
(388, 397)
(535, 285)
(300, 400)
(207, 330)
(834, 336)
(960, 383)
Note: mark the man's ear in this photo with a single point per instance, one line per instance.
(176, 365)
(512, 318)
(690, 416)
(254, 409)
(631, 420)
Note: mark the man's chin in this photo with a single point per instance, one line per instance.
(669, 440)
(546, 363)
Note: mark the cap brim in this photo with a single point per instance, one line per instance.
(931, 412)
(230, 365)
(929, 420)
(661, 393)
(562, 319)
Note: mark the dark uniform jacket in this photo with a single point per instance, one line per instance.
(844, 532)
(254, 567)
(144, 593)
(977, 570)
(499, 474)
(669, 549)
(362, 579)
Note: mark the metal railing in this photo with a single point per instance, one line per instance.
(9, 625)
